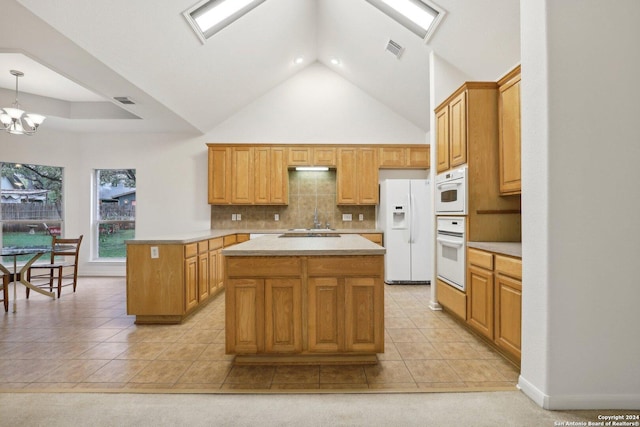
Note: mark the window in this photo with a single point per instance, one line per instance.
(31, 204)
(420, 16)
(210, 16)
(115, 212)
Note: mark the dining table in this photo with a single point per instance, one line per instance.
(14, 252)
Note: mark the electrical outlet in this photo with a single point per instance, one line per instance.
(276, 217)
(234, 217)
(360, 217)
(239, 217)
(347, 217)
(155, 253)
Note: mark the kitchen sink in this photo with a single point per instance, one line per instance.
(309, 233)
(312, 230)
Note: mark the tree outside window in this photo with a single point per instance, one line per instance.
(115, 211)
(30, 204)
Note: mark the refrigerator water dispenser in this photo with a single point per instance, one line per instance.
(399, 217)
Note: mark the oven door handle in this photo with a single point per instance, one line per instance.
(447, 242)
(447, 185)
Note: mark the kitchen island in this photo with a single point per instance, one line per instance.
(305, 299)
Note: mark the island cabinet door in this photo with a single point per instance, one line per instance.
(364, 311)
(326, 314)
(191, 283)
(244, 316)
(283, 315)
(203, 277)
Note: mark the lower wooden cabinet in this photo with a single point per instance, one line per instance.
(454, 300)
(283, 315)
(167, 288)
(191, 283)
(342, 314)
(304, 306)
(494, 299)
(508, 312)
(480, 300)
(245, 309)
(480, 292)
(326, 314)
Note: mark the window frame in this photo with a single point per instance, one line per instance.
(96, 221)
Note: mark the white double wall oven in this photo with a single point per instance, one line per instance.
(451, 210)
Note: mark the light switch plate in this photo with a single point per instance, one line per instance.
(239, 217)
(276, 217)
(347, 217)
(360, 217)
(155, 253)
(234, 217)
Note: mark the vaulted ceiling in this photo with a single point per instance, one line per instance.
(78, 55)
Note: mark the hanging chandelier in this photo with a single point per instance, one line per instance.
(17, 121)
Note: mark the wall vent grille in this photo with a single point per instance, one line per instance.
(395, 48)
(124, 100)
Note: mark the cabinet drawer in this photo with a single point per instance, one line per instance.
(190, 250)
(215, 243)
(203, 246)
(480, 258)
(509, 266)
(347, 266)
(452, 299)
(230, 240)
(263, 266)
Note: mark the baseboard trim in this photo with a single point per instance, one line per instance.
(579, 402)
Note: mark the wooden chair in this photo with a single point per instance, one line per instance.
(5, 290)
(64, 272)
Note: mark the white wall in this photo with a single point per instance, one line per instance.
(171, 169)
(581, 243)
(445, 79)
(317, 106)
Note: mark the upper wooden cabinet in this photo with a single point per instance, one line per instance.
(357, 176)
(401, 157)
(451, 128)
(242, 178)
(299, 156)
(306, 155)
(257, 174)
(270, 171)
(442, 138)
(509, 132)
(219, 175)
(247, 174)
(454, 133)
(324, 156)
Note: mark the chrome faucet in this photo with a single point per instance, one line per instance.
(316, 223)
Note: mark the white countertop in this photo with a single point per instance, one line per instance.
(274, 245)
(195, 236)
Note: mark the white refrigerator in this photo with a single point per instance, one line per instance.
(403, 215)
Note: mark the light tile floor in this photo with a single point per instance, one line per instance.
(85, 341)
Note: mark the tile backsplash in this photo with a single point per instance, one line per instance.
(307, 191)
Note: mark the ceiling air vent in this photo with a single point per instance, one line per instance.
(124, 100)
(395, 48)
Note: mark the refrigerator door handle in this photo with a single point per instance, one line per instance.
(412, 219)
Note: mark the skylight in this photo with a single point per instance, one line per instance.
(208, 17)
(420, 16)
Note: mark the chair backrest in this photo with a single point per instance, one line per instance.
(65, 247)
